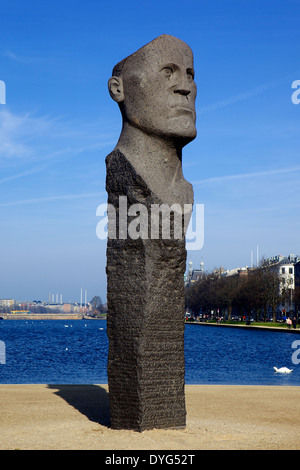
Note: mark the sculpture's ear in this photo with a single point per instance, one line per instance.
(115, 87)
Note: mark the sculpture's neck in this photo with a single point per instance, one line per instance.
(158, 161)
(144, 149)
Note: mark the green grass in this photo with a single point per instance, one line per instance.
(266, 324)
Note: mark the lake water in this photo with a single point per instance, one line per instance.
(75, 352)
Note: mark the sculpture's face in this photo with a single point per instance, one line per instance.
(159, 90)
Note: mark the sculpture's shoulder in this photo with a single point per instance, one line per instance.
(122, 178)
(115, 160)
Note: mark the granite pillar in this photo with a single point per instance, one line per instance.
(146, 255)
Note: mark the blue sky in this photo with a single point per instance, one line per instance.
(59, 123)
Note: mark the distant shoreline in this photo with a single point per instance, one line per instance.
(248, 327)
(47, 316)
(79, 316)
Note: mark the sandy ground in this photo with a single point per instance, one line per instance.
(73, 417)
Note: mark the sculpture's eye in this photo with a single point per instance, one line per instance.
(190, 74)
(168, 72)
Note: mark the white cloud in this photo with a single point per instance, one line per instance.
(245, 95)
(31, 137)
(51, 198)
(20, 59)
(18, 131)
(22, 174)
(224, 178)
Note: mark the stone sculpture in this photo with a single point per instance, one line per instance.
(155, 90)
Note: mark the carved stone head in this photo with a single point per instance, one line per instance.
(155, 90)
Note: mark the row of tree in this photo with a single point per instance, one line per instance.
(97, 307)
(255, 294)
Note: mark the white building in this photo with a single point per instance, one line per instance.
(7, 303)
(286, 271)
(285, 267)
(193, 275)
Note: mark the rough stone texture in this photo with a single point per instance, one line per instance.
(155, 91)
(146, 319)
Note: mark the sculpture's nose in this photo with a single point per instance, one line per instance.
(182, 91)
(184, 84)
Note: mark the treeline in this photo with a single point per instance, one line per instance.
(258, 294)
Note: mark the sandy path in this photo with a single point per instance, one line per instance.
(218, 417)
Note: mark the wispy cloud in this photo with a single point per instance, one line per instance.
(18, 131)
(23, 174)
(29, 136)
(18, 58)
(245, 95)
(224, 178)
(52, 198)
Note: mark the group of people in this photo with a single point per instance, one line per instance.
(292, 322)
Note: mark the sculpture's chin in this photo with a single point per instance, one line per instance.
(183, 138)
(182, 129)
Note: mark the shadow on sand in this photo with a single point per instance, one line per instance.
(90, 400)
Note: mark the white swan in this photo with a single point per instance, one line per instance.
(283, 370)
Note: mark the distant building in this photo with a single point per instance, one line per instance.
(286, 271)
(68, 308)
(7, 303)
(274, 259)
(288, 268)
(293, 259)
(285, 267)
(54, 307)
(297, 274)
(194, 275)
(241, 272)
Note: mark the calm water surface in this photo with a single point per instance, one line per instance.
(69, 352)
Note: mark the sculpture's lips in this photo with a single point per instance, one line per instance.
(182, 109)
